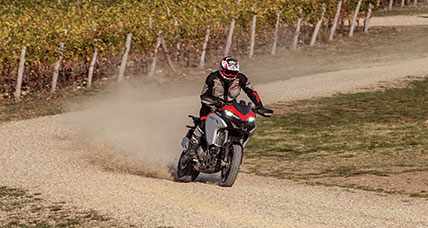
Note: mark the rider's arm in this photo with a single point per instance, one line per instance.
(207, 91)
(248, 89)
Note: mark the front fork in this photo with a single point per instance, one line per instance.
(229, 149)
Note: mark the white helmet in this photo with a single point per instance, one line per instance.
(229, 68)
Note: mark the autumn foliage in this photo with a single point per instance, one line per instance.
(41, 25)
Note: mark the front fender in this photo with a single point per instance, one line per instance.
(213, 124)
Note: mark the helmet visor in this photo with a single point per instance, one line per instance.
(229, 73)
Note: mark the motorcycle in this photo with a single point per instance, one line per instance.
(226, 133)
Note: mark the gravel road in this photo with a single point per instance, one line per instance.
(41, 155)
(400, 20)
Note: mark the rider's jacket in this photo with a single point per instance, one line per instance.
(217, 87)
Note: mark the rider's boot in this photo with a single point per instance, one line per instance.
(195, 140)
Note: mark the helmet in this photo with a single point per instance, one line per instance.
(229, 68)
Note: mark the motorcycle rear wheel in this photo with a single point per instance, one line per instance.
(230, 173)
(185, 172)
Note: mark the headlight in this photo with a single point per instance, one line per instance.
(251, 120)
(229, 113)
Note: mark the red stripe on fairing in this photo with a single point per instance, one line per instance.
(238, 113)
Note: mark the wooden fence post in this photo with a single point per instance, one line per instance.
(150, 22)
(92, 67)
(318, 26)
(57, 67)
(391, 2)
(367, 19)
(178, 51)
(253, 35)
(403, 3)
(20, 74)
(125, 57)
(166, 52)
(297, 32)
(230, 35)
(335, 21)
(155, 56)
(204, 48)
(275, 34)
(354, 18)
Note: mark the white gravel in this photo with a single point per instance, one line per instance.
(325, 84)
(42, 156)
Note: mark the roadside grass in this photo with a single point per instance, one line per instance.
(24, 209)
(379, 133)
(44, 104)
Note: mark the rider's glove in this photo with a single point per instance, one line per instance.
(264, 111)
(219, 103)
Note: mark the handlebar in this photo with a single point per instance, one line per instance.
(220, 103)
(264, 112)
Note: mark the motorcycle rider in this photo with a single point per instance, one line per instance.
(223, 85)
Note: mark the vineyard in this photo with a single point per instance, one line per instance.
(187, 31)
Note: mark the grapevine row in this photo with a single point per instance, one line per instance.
(85, 25)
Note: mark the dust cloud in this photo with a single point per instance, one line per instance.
(134, 129)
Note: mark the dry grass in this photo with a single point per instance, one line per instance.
(24, 209)
(44, 104)
(334, 140)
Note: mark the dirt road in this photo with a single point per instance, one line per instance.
(399, 20)
(43, 155)
(51, 156)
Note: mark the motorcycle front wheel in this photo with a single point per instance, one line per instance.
(229, 173)
(185, 170)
